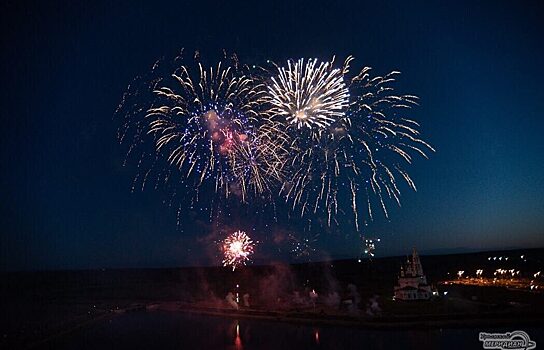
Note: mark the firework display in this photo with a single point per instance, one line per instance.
(359, 147)
(330, 144)
(196, 131)
(237, 249)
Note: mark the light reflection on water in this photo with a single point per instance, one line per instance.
(171, 330)
(238, 340)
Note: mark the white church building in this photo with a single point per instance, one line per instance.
(412, 283)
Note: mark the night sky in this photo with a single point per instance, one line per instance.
(65, 196)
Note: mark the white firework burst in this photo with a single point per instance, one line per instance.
(309, 93)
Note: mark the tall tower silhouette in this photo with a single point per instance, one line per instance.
(416, 263)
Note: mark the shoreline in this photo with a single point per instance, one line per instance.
(419, 322)
(479, 322)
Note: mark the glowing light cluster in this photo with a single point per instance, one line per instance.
(237, 249)
(370, 246)
(302, 248)
(510, 278)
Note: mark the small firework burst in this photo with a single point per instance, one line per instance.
(237, 249)
(302, 248)
(369, 246)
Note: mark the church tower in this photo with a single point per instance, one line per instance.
(412, 283)
(416, 264)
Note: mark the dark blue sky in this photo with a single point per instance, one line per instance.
(65, 198)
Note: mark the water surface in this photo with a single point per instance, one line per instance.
(176, 330)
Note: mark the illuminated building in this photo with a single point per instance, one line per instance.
(412, 283)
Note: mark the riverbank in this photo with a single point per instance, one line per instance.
(322, 318)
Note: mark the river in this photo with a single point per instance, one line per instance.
(176, 330)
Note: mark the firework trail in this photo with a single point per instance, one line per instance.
(195, 131)
(237, 249)
(348, 138)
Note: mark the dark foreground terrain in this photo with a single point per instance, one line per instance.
(39, 308)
